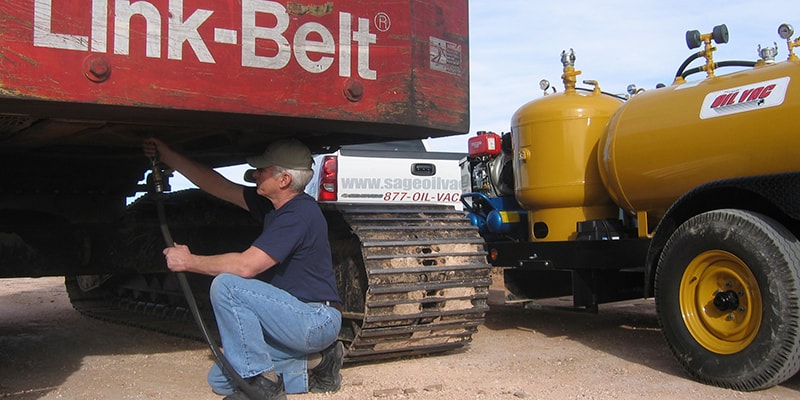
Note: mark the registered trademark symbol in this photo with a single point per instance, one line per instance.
(382, 22)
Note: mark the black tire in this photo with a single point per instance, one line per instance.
(727, 287)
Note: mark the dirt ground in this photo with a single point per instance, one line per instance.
(49, 351)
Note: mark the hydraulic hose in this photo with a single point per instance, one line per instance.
(686, 63)
(732, 63)
(158, 184)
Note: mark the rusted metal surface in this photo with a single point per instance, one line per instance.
(396, 63)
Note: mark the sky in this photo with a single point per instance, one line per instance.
(516, 43)
(513, 44)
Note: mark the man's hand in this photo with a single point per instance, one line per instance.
(179, 258)
(155, 148)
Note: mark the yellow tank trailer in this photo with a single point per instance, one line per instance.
(689, 193)
(662, 143)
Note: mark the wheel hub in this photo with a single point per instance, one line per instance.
(726, 301)
(720, 302)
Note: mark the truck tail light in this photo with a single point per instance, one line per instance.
(327, 182)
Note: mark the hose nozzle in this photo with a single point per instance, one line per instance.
(159, 176)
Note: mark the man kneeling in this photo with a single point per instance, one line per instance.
(276, 303)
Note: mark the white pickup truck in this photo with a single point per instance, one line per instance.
(390, 172)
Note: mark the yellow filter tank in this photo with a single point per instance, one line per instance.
(555, 167)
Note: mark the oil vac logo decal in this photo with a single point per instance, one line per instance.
(745, 98)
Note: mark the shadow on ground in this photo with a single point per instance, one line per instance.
(43, 341)
(627, 330)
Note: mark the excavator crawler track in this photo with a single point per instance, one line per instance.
(424, 282)
(413, 279)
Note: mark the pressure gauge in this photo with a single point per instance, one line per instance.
(544, 84)
(785, 31)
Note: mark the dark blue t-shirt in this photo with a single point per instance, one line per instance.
(296, 235)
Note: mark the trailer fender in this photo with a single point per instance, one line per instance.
(775, 195)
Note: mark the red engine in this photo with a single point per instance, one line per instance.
(485, 144)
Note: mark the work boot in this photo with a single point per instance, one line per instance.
(265, 388)
(326, 377)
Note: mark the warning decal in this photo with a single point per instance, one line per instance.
(445, 56)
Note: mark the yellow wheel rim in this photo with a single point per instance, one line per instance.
(720, 302)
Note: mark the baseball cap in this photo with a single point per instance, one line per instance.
(286, 153)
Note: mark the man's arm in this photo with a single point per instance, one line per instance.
(201, 175)
(246, 264)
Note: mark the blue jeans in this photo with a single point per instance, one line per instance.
(264, 328)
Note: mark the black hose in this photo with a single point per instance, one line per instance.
(732, 63)
(187, 293)
(603, 92)
(736, 63)
(687, 62)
